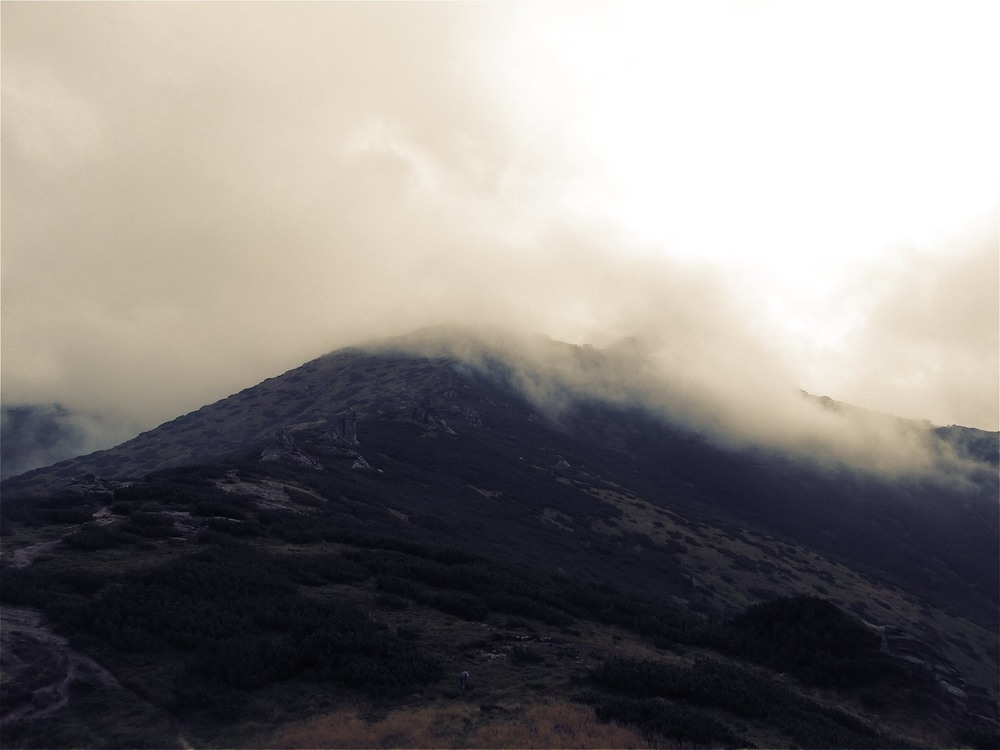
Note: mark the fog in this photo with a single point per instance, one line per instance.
(39, 436)
(705, 395)
(197, 196)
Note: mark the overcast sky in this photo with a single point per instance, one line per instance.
(197, 196)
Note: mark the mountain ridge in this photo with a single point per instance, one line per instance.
(462, 502)
(488, 351)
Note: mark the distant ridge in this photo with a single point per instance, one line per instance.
(395, 375)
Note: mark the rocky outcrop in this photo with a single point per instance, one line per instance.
(912, 649)
(91, 484)
(470, 415)
(428, 418)
(284, 448)
(344, 428)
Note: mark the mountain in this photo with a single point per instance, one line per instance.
(315, 560)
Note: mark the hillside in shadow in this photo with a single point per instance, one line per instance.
(314, 561)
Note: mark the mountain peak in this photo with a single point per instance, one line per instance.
(525, 510)
(454, 366)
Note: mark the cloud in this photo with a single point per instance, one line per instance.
(198, 196)
(930, 325)
(702, 390)
(33, 436)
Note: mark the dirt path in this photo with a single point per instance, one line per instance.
(21, 558)
(37, 667)
(38, 670)
(105, 516)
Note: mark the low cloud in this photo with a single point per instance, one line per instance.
(663, 378)
(199, 196)
(33, 436)
(932, 327)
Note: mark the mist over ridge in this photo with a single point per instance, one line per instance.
(373, 168)
(568, 461)
(704, 393)
(348, 345)
(738, 409)
(40, 435)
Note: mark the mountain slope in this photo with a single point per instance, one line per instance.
(580, 557)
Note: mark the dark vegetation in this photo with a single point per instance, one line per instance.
(230, 614)
(214, 606)
(928, 534)
(670, 701)
(59, 508)
(812, 639)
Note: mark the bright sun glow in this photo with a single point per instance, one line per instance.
(785, 144)
(723, 133)
(802, 188)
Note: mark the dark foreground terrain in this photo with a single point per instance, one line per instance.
(314, 561)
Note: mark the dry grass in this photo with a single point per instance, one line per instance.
(557, 724)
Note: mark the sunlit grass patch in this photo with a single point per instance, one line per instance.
(421, 727)
(553, 725)
(558, 724)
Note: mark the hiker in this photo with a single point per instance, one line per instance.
(464, 679)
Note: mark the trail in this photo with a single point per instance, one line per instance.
(21, 558)
(38, 669)
(39, 666)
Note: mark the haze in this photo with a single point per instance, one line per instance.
(776, 195)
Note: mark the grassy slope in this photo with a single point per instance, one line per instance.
(597, 500)
(530, 666)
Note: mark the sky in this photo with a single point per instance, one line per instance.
(197, 196)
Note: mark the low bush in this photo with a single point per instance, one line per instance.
(92, 537)
(660, 720)
(811, 638)
(237, 613)
(746, 693)
(526, 654)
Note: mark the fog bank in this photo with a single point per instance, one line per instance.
(700, 390)
(198, 196)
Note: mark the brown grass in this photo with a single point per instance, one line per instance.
(557, 724)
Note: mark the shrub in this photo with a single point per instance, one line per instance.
(526, 654)
(92, 537)
(237, 613)
(658, 719)
(391, 602)
(219, 508)
(811, 638)
(236, 528)
(746, 693)
(466, 607)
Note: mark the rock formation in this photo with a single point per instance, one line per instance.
(470, 415)
(344, 428)
(284, 448)
(428, 418)
(91, 484)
